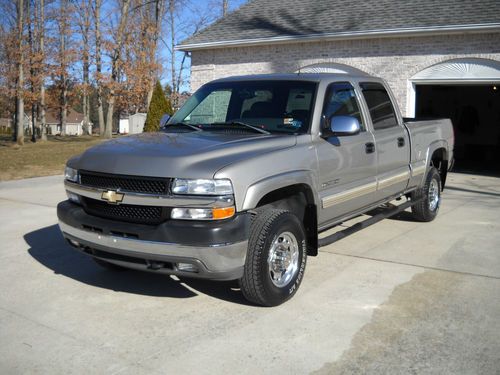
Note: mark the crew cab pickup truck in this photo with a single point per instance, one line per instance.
(245, 176)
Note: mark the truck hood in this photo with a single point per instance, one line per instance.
(195, 155)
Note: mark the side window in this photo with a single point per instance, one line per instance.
(380, 105)
(340, 100)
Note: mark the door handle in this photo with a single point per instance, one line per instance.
(401, 142)
(370, 147)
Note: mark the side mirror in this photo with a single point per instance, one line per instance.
(344, 125)
(164, 120)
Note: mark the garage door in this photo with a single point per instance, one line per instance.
(475, 113)
(468, 92)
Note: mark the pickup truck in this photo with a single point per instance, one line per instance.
(242, 180)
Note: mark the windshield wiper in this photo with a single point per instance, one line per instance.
(183, 124)
(239, 123)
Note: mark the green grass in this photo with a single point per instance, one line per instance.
(40, 158)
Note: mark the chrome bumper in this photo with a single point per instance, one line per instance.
(223, 261)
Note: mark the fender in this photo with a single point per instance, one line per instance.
(256, 191)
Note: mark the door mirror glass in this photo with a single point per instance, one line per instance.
(344, 125)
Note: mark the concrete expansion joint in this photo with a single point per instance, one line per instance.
(430, 268)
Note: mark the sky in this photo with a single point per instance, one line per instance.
(190, 13)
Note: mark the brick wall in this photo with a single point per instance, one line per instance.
(394, 59)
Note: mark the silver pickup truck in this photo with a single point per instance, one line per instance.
(245, 176)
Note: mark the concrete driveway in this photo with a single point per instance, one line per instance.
(398, 297)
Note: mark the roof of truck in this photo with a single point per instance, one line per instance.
(316, 77)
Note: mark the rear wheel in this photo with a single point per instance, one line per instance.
(276, 258)
(427, 209)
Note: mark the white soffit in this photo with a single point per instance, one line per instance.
(471, 69)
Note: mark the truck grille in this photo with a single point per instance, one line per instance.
(151, 185)
(126, 212)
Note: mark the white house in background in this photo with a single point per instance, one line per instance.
(133, 124)
(74, 123)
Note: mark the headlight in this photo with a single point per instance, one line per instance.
(202, 213)
(71, 174)
(202, 186)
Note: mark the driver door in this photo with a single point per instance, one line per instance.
(347, 164)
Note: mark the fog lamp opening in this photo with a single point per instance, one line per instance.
(187, 267)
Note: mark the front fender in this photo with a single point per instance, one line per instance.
(258, 190)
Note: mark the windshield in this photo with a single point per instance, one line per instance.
(273, 106)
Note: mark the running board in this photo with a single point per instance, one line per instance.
(366, 223)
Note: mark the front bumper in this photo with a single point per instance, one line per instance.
(215, 250)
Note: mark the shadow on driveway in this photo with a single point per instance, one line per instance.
(48, 247)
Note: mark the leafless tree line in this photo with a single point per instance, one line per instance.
(58, 53)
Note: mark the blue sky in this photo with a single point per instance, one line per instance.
(189, 14)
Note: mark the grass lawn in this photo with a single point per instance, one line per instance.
(40, 158)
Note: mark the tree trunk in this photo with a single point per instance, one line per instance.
(63, 73)
(115, 59)
(32, 50)
(171, 11)
(41, 34)
(85, 28)
(159, 10)
(20, 77)
(98, 63)
(224, 7)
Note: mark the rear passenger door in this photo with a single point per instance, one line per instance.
(391, 141)
(347, 164)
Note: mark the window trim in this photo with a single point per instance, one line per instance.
(391, 100)
(364, 123)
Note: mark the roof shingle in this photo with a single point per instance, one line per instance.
(263, 19)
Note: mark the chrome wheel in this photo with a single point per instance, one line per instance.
(433, 195)
(283, 259)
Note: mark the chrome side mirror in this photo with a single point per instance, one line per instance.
(344, 125)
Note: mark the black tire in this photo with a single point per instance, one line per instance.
(109, 266)
(424, 210)
(270, 229)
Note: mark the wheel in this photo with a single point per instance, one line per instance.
(276, 258)
(427, 209)
(108, 265)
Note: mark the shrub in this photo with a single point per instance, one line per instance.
(159, 106)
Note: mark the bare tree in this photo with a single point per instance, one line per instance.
(63, 29)
(41, 46)
(20, 77)
(115, 66)
(84, 10)
(98, 64)
(224, 7)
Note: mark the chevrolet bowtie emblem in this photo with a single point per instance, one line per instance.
(112, 196)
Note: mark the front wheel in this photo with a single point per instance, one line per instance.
(276, 258)
(427, 209)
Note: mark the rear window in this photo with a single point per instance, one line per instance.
(380, 106)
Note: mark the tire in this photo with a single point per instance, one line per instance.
(267, 279)
(109, 266)
(427, 209)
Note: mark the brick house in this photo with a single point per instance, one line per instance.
(441, 58)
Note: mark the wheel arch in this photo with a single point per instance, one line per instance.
(438, 157)
(293, 192)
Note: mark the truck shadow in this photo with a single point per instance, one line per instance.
(50, 249)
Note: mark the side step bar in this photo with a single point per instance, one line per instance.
(366, 223)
